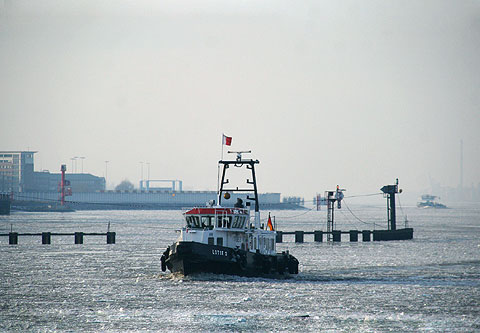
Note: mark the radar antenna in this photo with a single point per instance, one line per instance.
(239, 153)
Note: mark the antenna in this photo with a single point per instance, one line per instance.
(239, 153)
(461, 164)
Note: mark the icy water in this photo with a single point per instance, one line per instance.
(431, 283)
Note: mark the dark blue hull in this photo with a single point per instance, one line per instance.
(192, 257)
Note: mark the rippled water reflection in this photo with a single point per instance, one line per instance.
(429, 284)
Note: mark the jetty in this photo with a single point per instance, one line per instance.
(332, 234)
(47, 236)
(336, 235)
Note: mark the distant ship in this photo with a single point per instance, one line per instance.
(428, 201)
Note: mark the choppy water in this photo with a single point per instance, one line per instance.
(431, 283)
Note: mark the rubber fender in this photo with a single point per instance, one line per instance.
(166, 254)
(292, 265)
(241, 259)
(164, 265)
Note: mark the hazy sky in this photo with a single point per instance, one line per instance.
(331, 92)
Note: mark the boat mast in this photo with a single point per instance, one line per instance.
(239, 162)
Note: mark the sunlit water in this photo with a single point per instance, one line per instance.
(431, 283)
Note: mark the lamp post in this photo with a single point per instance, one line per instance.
(76, 157)
(106, 169)
(73, 159)
(141, 176)
(82, 158)
(148, 175)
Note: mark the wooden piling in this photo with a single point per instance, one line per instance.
(110, 237)
(366, 235)
(318, 235)
(299, 236)
(353, 235)
(13, 238)
(279, 237)
(337, 235)
(79, 238)
(46, 237)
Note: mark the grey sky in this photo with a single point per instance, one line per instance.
(324, 92)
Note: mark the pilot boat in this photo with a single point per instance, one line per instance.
(225, 239)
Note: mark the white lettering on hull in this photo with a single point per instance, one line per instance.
(219, 253)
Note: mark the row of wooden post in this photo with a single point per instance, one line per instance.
(318, 235)
(47, 236)
(378, 235)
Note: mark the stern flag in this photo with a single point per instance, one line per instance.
(226, 140)
(269, 223)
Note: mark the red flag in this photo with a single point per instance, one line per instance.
(226, 140)
(269, 223)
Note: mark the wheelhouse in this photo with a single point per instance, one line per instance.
(217, 218)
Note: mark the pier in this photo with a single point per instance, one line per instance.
(47, 236)
(336, 235)
(391, 233)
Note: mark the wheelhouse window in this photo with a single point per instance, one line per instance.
(224, 221)
(206, 222)
(196, 221)
(238, 222)
(193, 221)
(202, 222)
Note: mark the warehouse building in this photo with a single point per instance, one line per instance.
(17, 175)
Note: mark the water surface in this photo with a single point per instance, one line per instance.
(431, 283)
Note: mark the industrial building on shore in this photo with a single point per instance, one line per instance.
(31, 188)
(17, 175)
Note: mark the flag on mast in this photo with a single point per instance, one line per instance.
(269, 223)
(226, 140)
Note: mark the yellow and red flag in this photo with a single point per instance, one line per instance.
(269, 223)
